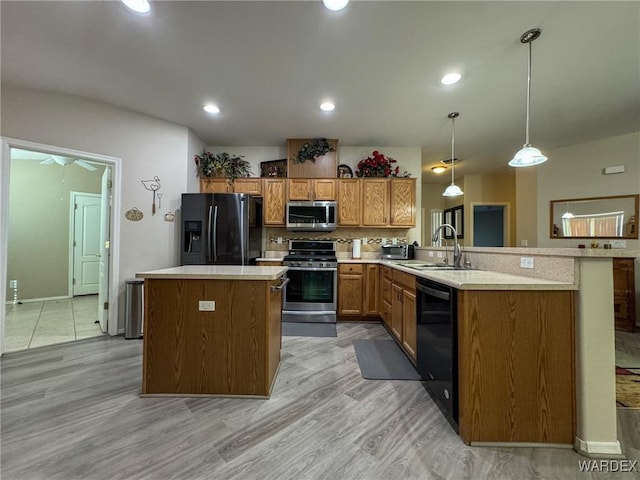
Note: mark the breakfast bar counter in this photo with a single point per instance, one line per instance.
(212, 330)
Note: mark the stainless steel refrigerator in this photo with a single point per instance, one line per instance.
(220, 229)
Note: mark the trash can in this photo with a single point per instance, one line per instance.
(134, 314)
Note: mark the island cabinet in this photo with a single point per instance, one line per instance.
(357, 290)
(195, 347)
(250, 185)
(305, 189)
(274, 201)
(516, 371)
(403, 311)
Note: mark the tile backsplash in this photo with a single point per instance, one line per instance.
(342, 236)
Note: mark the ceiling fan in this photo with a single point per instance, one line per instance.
(66, 161)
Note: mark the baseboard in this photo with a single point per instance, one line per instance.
(43, 299)
(598, 449)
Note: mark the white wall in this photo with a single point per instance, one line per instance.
(147, 147)
(576, 172)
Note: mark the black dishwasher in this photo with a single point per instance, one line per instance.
(437, 345)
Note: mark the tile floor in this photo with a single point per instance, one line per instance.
(35, 324)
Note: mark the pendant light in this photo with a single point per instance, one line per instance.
(528, 155)
(453, 190)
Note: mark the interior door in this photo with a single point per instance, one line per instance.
(103, 267)
(86, 243)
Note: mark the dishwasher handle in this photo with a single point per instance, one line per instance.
(433, 292)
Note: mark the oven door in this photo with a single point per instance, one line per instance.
(311, 289)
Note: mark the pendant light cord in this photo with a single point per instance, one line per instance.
(453, 136)
(528, 95)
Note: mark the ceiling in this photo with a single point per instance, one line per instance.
(268, 65)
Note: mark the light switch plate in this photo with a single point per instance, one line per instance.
(526, 262)
(618, 243)
(206, 306)
(439, 254)
(430, 253)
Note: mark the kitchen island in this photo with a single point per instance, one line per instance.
(212, 330)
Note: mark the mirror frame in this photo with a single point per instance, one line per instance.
(454, 216)
(635, 198)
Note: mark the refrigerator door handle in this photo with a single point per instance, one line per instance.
(215, 233)
(209, 239)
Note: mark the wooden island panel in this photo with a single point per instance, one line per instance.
(234, 350)
(516, 366)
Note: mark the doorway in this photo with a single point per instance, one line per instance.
(490, 224)
(45, 282)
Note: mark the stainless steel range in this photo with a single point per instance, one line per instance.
(312, 292)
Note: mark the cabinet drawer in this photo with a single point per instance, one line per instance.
(354, 268)
(386, 289)
(387, 273)
(406, 279)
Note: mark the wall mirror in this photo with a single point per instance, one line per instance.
(595, 217)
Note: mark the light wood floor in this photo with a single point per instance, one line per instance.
(73, 412)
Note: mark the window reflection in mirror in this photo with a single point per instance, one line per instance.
(596, 217)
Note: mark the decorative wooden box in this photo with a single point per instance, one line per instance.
(325, 166)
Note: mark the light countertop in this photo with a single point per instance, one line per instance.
(482, 279)
(217, 272)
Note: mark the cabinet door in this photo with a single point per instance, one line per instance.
(274, 201)
(371, 290)
(396, 311)
(215, 185)
(624, 294)
(349, 202)
(409, 339)
(252, 186)
(375, 202)
(324, 189)
(403, 202)
(350, 294)
(385, 313)
(300, 189)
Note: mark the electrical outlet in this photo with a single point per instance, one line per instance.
(206, 306)
(394, 241)
(439, 254)
(383, 241)
(430, 253)
(618, 243)
(365, 240)
(526, 262)
(279, 240)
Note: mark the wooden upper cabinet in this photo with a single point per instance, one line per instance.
(250, 185)
(274, 201)
(375, 202)
(349, 202)
(304, 189)
(403, 202)
(215, 185)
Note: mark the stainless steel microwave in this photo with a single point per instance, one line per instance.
(397, 252)
(311, 216)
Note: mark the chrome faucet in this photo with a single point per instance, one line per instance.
(457, 253)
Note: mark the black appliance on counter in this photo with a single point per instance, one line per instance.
(312, 292)
(437, 345)
(220, 229)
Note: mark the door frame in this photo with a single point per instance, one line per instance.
(7, 144)
(506, 220)
(72, 230)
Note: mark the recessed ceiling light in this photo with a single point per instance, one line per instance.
(138, 6)
(335, 5)
(450, 78)
(327, 106)
(211, 108)
(438, 169)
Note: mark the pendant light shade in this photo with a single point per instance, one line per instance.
(453, 190)
(528, 155)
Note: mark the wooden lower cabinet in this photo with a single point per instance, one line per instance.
(516, 370)
(403, 311)
(385, 279)
(624, 292)
(268, 263)
(358, 290)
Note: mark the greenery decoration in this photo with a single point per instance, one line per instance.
(222, 165)
(377, 165)
(311, 150)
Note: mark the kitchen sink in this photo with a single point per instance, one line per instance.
(433, 266)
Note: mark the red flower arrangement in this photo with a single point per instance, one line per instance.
(377, 165)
